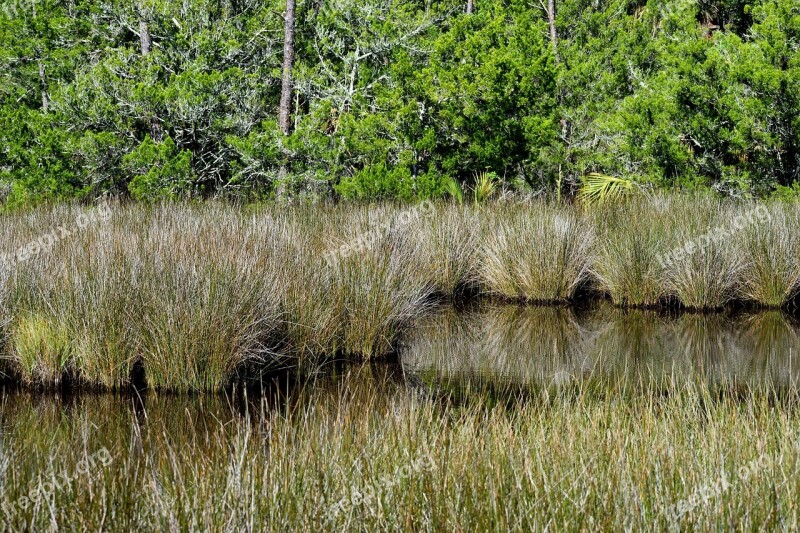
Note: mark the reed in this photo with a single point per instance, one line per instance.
(703, 269)
(536, 253)
(771, 250)
(633, 235)
(451, 237)
(199, 295)
(367, 454)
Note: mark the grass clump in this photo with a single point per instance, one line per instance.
(451, 236)
(381, 288)
(537, 253)
(703, 269)
(632, 237)
(41, 349)
(770, 246)
(199, 295)
(208, 306)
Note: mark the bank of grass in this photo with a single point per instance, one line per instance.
(200, 295)
(709, 278)
(632, 236)
(536, 253)
(771, 257)
(196, 294)
(370, 454)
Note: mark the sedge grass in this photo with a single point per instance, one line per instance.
(452, 238)
(634, 234)
(198, 293)
(538, 253)
(771, 250)
(707, 276)
(380, 288)
(366, 454)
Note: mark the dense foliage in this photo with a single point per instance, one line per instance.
(395, 99)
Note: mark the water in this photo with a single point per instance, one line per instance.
(506, 348)
(193, 461)
(533, 347)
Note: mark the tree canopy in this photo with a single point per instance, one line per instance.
(395, 99)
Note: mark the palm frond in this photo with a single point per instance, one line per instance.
(454, 189)
(600, 188)
(485, 186)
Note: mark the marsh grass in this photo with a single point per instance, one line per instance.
(771, 250)
(210, 302)
(709, 277)
(197, 295)
(634, 234)
(537, 253)
(365, 453)
(201, 294)
(382, 288)
(42, 349)
(451, 242)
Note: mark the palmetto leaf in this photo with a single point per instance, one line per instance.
(600, 188)
(485, 186)
(455, 190)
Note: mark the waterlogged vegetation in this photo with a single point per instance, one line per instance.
(548, 348)
(486, 265)
(498, 364)
(199, 297)
(383, 447)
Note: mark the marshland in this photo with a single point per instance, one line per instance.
(181, 297)
(463, 265)
(506, 364)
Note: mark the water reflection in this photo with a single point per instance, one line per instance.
(142, 427)
(510, 349)
(545, 346)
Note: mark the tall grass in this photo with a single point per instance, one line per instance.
(69, 308)
(451, 239)
(634, 234)
(366, 454)
(199, 294)
(771, 251)
(538, 253)
(383, 287)
(707, 276)
(209, 299)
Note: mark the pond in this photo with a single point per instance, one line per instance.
(550, 346)
(292, 454)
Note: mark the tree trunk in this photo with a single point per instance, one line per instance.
(470, 5)
(285, 107)
(43, 82)
(145, 38)
(551, 19)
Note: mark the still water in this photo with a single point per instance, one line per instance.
(538, 347)
(506, 348)
(155, 458)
